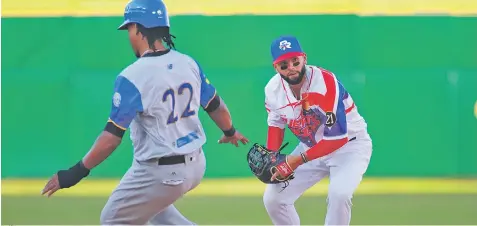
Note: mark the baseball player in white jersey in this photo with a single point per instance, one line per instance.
(333, 136)
(158, 98)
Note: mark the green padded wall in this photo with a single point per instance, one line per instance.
(414, 79)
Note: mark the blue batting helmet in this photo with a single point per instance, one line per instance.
(148, 13)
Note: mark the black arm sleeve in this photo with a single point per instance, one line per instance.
(110, 127)
(214, 104)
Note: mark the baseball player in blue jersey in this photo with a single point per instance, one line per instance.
(158, 98)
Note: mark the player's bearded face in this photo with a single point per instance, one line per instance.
(292, 70)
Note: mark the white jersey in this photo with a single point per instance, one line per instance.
(326, 110)
(158, 97)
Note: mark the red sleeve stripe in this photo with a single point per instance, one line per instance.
(349, 109)
(274, 138)
(331, 97)
(324, 147)
(268, 109)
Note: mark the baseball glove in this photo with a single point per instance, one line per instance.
(263, 163)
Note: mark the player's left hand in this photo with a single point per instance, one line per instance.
(65, 178)
(52, 186)
(233, 139)
(286, 168)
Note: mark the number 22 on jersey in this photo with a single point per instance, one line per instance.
(186, 112)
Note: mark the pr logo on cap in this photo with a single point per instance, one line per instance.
(285, 45)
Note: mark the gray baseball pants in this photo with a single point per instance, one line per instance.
(147, 191)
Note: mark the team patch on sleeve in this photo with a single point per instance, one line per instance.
(126, 103)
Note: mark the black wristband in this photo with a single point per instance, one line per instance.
(230, 132)
(73, 175)
(82, 170)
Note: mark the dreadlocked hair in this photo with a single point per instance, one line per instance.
(156, 34)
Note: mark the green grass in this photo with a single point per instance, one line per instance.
(443, 209)
(378, 201)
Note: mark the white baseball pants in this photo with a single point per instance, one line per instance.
(345, 168)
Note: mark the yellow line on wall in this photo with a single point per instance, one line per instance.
(56, 8)
(253, 187)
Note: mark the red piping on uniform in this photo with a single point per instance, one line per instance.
(349, 109)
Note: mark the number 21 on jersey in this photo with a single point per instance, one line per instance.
(186, 112)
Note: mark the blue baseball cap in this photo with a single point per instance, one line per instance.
(285, 47)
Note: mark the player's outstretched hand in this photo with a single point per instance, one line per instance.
(65, 178)
(233, 139)
(52, 186)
